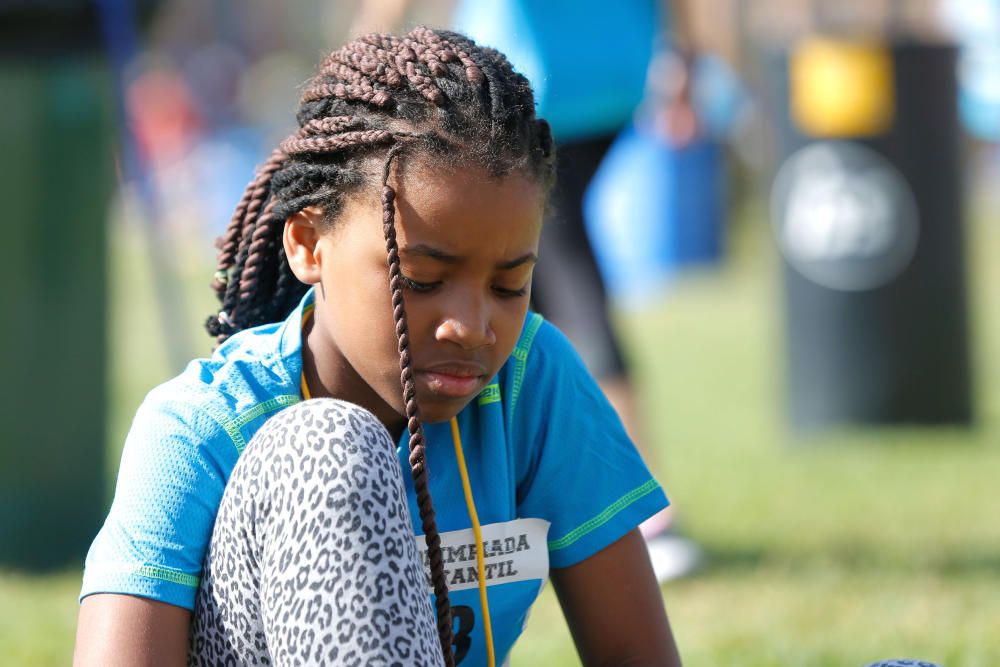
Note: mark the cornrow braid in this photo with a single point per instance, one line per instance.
(434, 93)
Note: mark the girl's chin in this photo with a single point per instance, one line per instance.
(436, 409)
(433, 410)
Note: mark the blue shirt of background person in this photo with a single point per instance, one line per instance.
(585, 59)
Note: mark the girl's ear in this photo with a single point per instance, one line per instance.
(300, 237)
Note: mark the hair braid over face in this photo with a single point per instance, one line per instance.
(431, 93)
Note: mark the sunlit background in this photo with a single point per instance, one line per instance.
(799, 232)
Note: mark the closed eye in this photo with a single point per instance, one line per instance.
(511, 293)
(414, 286)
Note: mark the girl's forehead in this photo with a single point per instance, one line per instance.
(468, 210)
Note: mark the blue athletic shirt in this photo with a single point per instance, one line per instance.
(554, 477)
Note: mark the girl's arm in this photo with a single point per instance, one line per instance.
(614, 609)
(127, 630)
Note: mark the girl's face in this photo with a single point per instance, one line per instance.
(467, 246)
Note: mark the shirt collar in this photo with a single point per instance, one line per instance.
(290, 332)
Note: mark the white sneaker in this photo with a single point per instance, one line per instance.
(672, 556)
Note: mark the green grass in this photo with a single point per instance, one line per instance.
(854, 546)
(844, 549)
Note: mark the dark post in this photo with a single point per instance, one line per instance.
(868, 215)
(56, 161)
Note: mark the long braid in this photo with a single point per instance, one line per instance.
(417, 444)
(227, 245)
(235, 250)
(433, 92)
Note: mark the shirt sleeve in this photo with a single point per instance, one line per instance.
(578, 469)
(173, 471)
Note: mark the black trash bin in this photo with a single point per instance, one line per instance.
(868, 215)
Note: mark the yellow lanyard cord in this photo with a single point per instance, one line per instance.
(303, 385)
(480, 565)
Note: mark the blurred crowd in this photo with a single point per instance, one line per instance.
(208, 91)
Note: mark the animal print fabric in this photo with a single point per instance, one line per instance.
(312, 559)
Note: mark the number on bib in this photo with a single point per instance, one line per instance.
(462, 640)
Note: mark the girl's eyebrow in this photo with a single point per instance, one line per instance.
(425, 250)
(518, 261)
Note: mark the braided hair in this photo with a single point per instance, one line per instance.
(430, 92)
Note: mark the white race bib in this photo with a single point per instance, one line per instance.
(512, 551)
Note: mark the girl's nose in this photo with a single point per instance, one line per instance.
(468, 327)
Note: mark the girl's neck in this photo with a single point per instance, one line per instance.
(328, 374)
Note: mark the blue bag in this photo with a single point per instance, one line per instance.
(653, 209)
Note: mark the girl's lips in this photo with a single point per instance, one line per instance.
(449, 385)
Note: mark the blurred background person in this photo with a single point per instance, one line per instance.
(589, 64)
(616, 79)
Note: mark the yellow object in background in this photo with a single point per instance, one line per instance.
(841, 88)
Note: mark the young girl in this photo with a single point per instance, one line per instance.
(374, 287)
